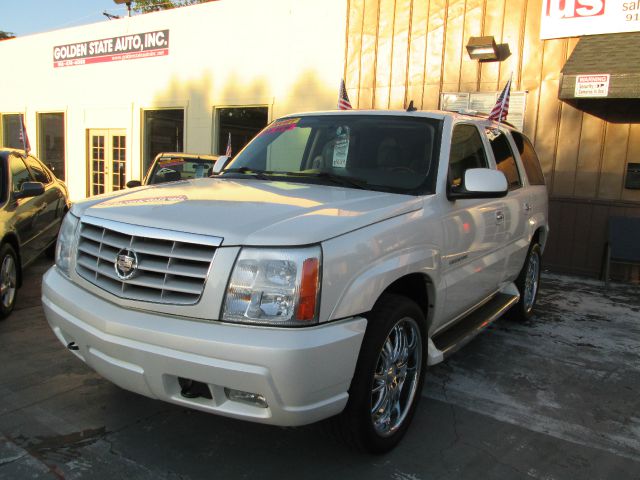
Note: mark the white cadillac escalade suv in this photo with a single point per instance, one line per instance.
(318, 275)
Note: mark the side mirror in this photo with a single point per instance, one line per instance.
(29, 189)
(221, 162)
(480, 183)
(133, 183)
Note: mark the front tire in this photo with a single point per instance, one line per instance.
(528, 283)
(8, 279)
(389, 375)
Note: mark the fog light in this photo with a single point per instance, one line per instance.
(254, 399)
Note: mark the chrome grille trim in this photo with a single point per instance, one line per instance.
(172, 268)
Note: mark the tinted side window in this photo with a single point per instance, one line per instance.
(19, 173)
(529, 159)
(38, 171)
(467, 151)
(503, 154)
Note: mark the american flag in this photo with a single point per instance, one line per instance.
(501, 109)
(23, 137)
(227, 152)
(343, 99)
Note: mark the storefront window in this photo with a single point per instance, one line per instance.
(11, 126)
(243, 123)
(51, 144)
(163, 132)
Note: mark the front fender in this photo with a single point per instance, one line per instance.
(359, 266)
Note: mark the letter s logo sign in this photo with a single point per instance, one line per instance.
(575, 8)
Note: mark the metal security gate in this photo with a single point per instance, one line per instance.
(107, 158)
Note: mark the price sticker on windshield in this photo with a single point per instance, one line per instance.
(341, 148)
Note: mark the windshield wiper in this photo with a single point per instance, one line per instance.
(338, 179)
(259, 174)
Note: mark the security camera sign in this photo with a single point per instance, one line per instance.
(592, 85)
(126, 47)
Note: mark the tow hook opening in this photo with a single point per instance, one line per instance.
(193, 389)
(73, 346)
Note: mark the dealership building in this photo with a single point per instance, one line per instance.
(100, 101)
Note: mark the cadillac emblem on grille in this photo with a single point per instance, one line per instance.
(126, 264)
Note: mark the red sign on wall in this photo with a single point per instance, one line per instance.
(114, 49)
(574, 18)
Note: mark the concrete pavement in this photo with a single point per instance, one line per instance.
(552, 398)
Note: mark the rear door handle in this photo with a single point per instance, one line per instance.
(527, 207)
(499, 217)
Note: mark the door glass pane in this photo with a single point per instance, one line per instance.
(243, 123)
(38, 171)
(19, 173)
(51, 142)
(119, 150)
(97, 165)
(163, 132)
(467, 151)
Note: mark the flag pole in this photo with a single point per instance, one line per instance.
(504, 100)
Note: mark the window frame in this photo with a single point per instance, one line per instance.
(143, 131)
(517, 164)
(216, 124)
(2, 129)
(10, 171)
(46, 171)
(537, 166)
(482, 141)
(41, 143)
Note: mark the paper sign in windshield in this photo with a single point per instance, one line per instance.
(341, 148)
(283, 125)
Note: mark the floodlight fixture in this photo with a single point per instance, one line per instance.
(484, 49)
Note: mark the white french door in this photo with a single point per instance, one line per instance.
(107, 161)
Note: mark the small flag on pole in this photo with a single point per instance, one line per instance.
(23, 137)
(227, 152)
(343, 98)
(501, 109)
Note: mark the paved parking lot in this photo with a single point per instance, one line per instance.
(553, 398)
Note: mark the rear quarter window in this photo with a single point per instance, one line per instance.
(529, 159)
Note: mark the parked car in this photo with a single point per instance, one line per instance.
(171, 167)
(333, 260)
(33, 203)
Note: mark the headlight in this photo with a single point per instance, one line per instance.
(274, 286)
(65, 242)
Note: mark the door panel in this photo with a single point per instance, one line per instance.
(107, 161)
(473, 258)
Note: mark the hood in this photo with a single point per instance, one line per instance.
(250, 212)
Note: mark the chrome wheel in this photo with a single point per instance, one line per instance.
(396, 377)
(8, 277)
(531, 281)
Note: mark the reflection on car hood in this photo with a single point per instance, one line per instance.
(250, 212)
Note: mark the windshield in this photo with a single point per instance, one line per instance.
(376, 152)
(171, 169)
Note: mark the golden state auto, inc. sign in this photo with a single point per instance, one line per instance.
(114, 49)
(574, 18)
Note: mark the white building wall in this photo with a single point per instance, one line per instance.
(286, 54)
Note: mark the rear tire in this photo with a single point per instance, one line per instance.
(528, 283)
(387, 383)
(8, 279)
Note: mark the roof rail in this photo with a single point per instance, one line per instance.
(474, 113)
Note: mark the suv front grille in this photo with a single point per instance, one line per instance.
(172, 267)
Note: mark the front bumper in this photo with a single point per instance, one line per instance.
(303, 373)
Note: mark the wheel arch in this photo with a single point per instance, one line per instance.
(12, 239)
(417, 287)
(540, 236)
